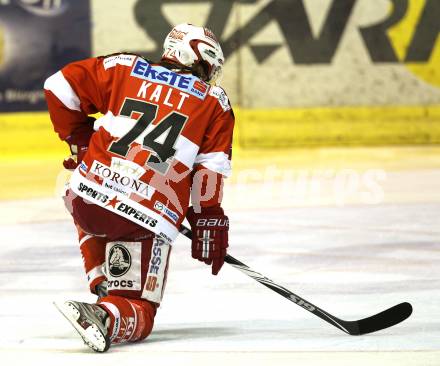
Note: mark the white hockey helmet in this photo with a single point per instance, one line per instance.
(193, 46)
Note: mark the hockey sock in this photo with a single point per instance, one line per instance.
(130, 319)
(93, 253)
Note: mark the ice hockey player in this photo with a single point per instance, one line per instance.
(164, 140)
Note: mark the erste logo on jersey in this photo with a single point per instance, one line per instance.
(158, 74)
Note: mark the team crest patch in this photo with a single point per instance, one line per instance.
(119, 260)
(221, 96)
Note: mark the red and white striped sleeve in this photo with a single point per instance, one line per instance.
(215, 151)
(214, 155)
(79, 89)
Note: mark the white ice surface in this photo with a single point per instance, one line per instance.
(352, 261)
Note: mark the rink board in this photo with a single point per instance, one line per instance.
(338, 126)
(31, 133)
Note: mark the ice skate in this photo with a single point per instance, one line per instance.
(90, 321)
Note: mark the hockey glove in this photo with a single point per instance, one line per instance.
(79, 143)
(210, 235)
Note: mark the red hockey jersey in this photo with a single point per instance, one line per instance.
(159, 128)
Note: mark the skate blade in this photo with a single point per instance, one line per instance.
(91, 336)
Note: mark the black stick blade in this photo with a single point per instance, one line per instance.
(385, 319)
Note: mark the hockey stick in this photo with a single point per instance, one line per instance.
(385, 319)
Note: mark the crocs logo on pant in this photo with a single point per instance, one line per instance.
(120, 260)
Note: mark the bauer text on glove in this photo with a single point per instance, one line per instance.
(210, 235)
